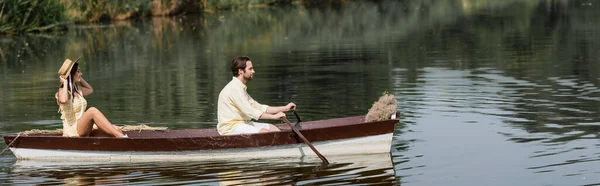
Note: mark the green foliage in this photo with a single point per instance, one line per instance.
(30, 15)
(94, 10)
(228, 4)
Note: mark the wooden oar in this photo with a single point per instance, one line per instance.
(305, 140)
(298, 120)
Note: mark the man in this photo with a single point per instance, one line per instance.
(236, 108)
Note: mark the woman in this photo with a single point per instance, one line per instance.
(76, 120)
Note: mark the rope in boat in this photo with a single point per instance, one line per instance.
(8, 146)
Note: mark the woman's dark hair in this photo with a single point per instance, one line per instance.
(239, 63)
(70, 80)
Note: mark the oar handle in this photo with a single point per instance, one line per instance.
(298, 120)
(305, 140)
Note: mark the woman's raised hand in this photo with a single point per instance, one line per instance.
(62, 79)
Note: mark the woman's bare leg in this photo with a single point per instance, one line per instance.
(118, 129)
(101, 133)
(91, 116)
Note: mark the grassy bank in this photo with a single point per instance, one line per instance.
(17, 16)
(21, 16)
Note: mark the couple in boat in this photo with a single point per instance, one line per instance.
(235, 108)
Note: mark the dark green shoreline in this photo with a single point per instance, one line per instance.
(24, 16)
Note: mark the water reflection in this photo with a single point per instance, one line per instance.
(345, 170)
(503, 92)
(477, 113)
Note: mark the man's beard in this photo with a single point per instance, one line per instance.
(248, 78)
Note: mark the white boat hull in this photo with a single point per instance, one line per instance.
(352, 146)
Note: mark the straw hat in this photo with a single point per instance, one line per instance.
(66, 67)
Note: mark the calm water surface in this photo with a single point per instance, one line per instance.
(491, 92)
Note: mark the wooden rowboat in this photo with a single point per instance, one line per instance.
(332, 137)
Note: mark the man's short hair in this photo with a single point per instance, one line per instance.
(239, 63)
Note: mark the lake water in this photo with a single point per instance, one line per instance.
(491, 92)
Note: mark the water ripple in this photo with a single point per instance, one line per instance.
(372, 169)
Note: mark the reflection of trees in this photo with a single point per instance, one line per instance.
(124, 55)
(25, 60)
(172, 69)
(159, 61)
(572, 56)
(548, 43)
(343, 46)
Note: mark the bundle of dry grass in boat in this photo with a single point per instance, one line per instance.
(382, 109)
(123, 128)
(141, 127)
(38, 131)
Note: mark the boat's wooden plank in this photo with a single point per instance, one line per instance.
(352, 146)
(208, 139)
